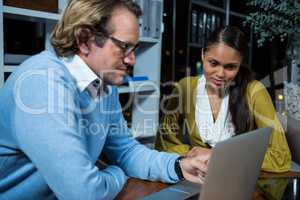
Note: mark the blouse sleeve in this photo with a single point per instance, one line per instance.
(170, 136)
(278, 156)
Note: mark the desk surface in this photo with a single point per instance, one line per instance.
(136, 188)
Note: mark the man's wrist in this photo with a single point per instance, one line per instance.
(177, 167)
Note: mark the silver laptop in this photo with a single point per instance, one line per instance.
(232, 171)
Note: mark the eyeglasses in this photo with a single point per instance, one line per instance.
(126, 47)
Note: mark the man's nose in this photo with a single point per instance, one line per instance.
(130, 59)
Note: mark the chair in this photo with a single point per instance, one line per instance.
(293, 138)
(292, 106)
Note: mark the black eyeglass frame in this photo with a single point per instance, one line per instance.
(126, 47)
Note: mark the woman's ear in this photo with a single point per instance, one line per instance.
(202, 55)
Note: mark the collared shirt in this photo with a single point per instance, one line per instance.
(85, 78)
(212, 132)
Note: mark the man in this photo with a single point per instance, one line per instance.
(60, 111)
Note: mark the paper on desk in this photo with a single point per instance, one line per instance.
(295, 167)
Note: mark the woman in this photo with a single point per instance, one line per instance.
(224, 102)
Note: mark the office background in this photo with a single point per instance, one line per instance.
(172, 33)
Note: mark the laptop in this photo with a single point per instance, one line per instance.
(232, 173)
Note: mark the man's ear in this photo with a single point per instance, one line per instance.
(202, 55)
(83, 39)
(84, 48)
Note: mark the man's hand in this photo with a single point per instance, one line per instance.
(194, 165)
(203, 153)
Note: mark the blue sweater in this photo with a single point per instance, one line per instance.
(51, 135)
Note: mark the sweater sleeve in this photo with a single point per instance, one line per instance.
(278, 156)
(134, 158)
(170, 136)
(46, 130)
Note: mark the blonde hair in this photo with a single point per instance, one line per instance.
(82, 19)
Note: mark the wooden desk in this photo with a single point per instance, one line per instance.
(136, 188)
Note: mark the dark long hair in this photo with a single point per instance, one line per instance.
(238, 105)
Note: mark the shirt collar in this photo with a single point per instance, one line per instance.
(81, 72)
